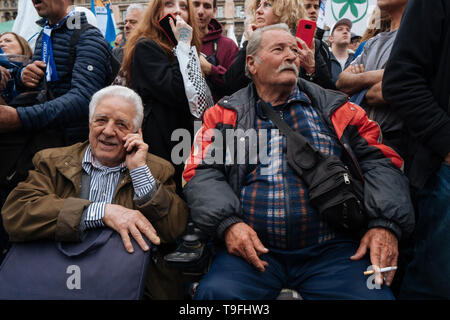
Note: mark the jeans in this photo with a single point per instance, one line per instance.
(322, 271)
(428, 274)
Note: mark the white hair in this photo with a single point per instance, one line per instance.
(123, 92)
(255, 41)
(135, 6)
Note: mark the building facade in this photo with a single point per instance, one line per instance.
(229, 12)
(8, 10)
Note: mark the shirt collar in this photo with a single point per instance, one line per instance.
(89, 163)
(296, 96)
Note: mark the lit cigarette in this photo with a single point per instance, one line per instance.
(387, 269)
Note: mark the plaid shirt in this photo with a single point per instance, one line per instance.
(274, 200)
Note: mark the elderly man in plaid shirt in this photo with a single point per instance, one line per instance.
(272, 236)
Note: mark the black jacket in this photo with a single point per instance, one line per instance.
(416, 84)
(156, 77)
(75, 87)
(212, 190)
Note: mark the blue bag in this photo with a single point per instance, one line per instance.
(99, 267)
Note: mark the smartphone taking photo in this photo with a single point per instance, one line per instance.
(305, 31)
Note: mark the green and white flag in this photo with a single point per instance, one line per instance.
(357, 11)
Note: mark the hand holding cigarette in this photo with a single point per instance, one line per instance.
(387, 269)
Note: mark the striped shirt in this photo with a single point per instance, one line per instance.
(274, 199)
(104, 181)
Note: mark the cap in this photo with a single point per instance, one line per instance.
(354, 35)
(345, 21)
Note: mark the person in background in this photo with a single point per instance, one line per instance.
(416, 84)
(18, 53)
(218, 51)
(118, 39)
(380, 21)
(354, 42)
(167, 76)
(340, 57)
(133, 16)
(363, 79)
(312, 8)
(266, 12)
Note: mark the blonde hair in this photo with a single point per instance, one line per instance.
(287, 11)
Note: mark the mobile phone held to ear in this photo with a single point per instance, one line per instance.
(305, 31)
(165, 25)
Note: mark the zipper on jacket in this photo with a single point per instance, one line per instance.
(287, 200)
(355, 163)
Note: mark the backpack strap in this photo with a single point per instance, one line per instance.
(73, 41)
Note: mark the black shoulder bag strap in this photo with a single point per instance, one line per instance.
(73, 41)
(331, 188)
(115, 64)
(85, 185)
(309, 154)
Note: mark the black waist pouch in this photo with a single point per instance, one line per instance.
(333, 191)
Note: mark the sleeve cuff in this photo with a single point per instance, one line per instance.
(93, 216)
(144, 183)
(387, 224)
(225, 224)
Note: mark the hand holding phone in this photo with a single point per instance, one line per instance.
(164, 23)
(305, 31)
(136, 150)
(182, 30)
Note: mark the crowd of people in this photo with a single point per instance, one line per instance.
(378, 105)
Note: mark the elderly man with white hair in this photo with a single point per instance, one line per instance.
(131, 191)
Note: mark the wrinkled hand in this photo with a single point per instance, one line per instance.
(182, 31)
(306, 55)
(383, 246)
(5, 77)
(33, 73)
(242, 241)
(126, 221)
(136, 149)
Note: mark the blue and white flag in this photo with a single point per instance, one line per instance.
(105, 20)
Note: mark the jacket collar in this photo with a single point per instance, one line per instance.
(326, 101)
(215, 31)
(83, 20)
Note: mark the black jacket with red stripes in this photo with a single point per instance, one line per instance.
(212, 189)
